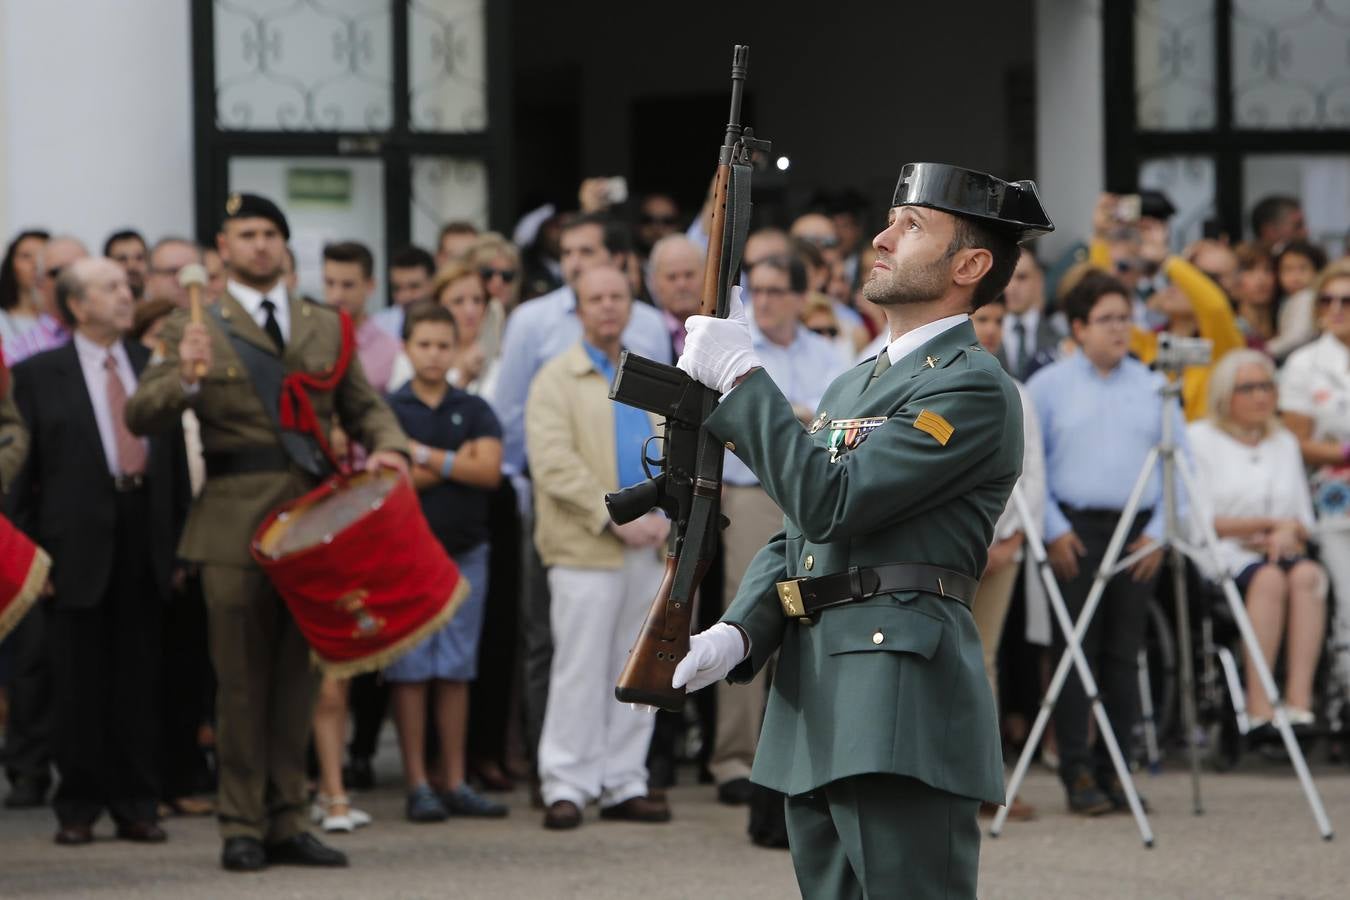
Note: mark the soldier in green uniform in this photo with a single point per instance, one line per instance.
(228, 369)
(880, 727)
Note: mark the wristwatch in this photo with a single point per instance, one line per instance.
(421, 454)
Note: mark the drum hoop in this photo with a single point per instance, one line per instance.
(275, 524)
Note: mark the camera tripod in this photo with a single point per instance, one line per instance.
(1174, 466)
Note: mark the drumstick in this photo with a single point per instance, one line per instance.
(193, 277)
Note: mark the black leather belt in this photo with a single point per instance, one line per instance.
(802, 597)
(246, 461)
(127, 484)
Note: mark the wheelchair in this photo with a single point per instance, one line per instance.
(1224, 730)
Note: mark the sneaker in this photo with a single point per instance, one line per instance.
(1085, 798)
(425, 806)
(465, 801)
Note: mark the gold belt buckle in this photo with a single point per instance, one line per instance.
(790, 596)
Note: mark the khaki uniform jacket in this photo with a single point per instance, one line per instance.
(569, 436)
(893, 684)
(230, 508)
(15, 451)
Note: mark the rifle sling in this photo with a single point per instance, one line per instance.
(266, 372)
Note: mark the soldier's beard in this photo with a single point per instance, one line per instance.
(910, 283)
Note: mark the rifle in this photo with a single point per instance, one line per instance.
(688, 486)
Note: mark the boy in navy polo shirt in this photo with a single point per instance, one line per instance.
(457, 456)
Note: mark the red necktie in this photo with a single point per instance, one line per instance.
(130, 450)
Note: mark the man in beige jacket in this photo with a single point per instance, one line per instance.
(602, 576)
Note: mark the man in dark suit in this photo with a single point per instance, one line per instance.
(1030, 339)
(107, 506)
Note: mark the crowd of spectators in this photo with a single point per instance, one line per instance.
(496, 355)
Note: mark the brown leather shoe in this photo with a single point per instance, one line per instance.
(562, 815)
(141, 833)
(637, 809)
(74, 835)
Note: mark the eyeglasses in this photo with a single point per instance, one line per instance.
(1110, 321)
(824, 242)
(658, 220)
(507, 275)
(828, 331)
(1329, 299)
(1255, 387)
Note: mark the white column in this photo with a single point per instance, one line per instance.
(1070, 126)
(96, 117)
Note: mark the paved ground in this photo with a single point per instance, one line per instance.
(1256, 841)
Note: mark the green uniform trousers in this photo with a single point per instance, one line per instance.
(267, 688)
(884, 836)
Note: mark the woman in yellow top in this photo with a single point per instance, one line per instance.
(1194, 305)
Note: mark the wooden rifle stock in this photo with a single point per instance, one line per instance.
(662, 643)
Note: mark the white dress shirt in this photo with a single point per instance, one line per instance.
(251, 300)
(1030, 320)
(913, 340)
(92, 358)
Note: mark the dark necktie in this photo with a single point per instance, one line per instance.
(130, 450)
(1019, 360)
(271, 326)
(883, 363)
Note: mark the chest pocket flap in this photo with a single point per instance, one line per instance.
(868, 629)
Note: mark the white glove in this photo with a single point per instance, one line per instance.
(717, 351)
(712, 654)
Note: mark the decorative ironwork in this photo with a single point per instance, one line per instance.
(1189, 182)
(447, 65)
(1291, 63)
(303, 65)
(1174, 65)
(447, 188)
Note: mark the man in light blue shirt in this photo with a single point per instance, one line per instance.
(536, 332)
(540, 329)
(1101, 412)
(802, 365)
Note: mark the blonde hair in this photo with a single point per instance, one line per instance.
(819, 303)
(453, 271)
(1339, 269)
(487, 247)
(1222, 381)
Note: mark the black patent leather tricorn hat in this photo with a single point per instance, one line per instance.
(1010, 206)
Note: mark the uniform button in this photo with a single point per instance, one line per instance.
(230, 371)
(809, 562)
(730, 446)
(878, 638)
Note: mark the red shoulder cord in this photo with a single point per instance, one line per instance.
(296, 410)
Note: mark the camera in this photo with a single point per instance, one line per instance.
(1176, 353)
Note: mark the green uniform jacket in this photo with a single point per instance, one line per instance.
(229, 510)
(893, 684)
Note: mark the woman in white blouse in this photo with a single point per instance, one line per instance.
(1251, 481)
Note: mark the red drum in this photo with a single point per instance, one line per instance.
(360, 570)
(23, 573)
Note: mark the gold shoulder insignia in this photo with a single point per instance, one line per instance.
(932, 424)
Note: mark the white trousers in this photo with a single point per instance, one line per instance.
(593, 747)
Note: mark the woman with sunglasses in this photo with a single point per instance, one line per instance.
(498, 263)
(1315, 405)
(1251, 483)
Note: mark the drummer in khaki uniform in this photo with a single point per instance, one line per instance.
(245, 345)
(880, 726)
